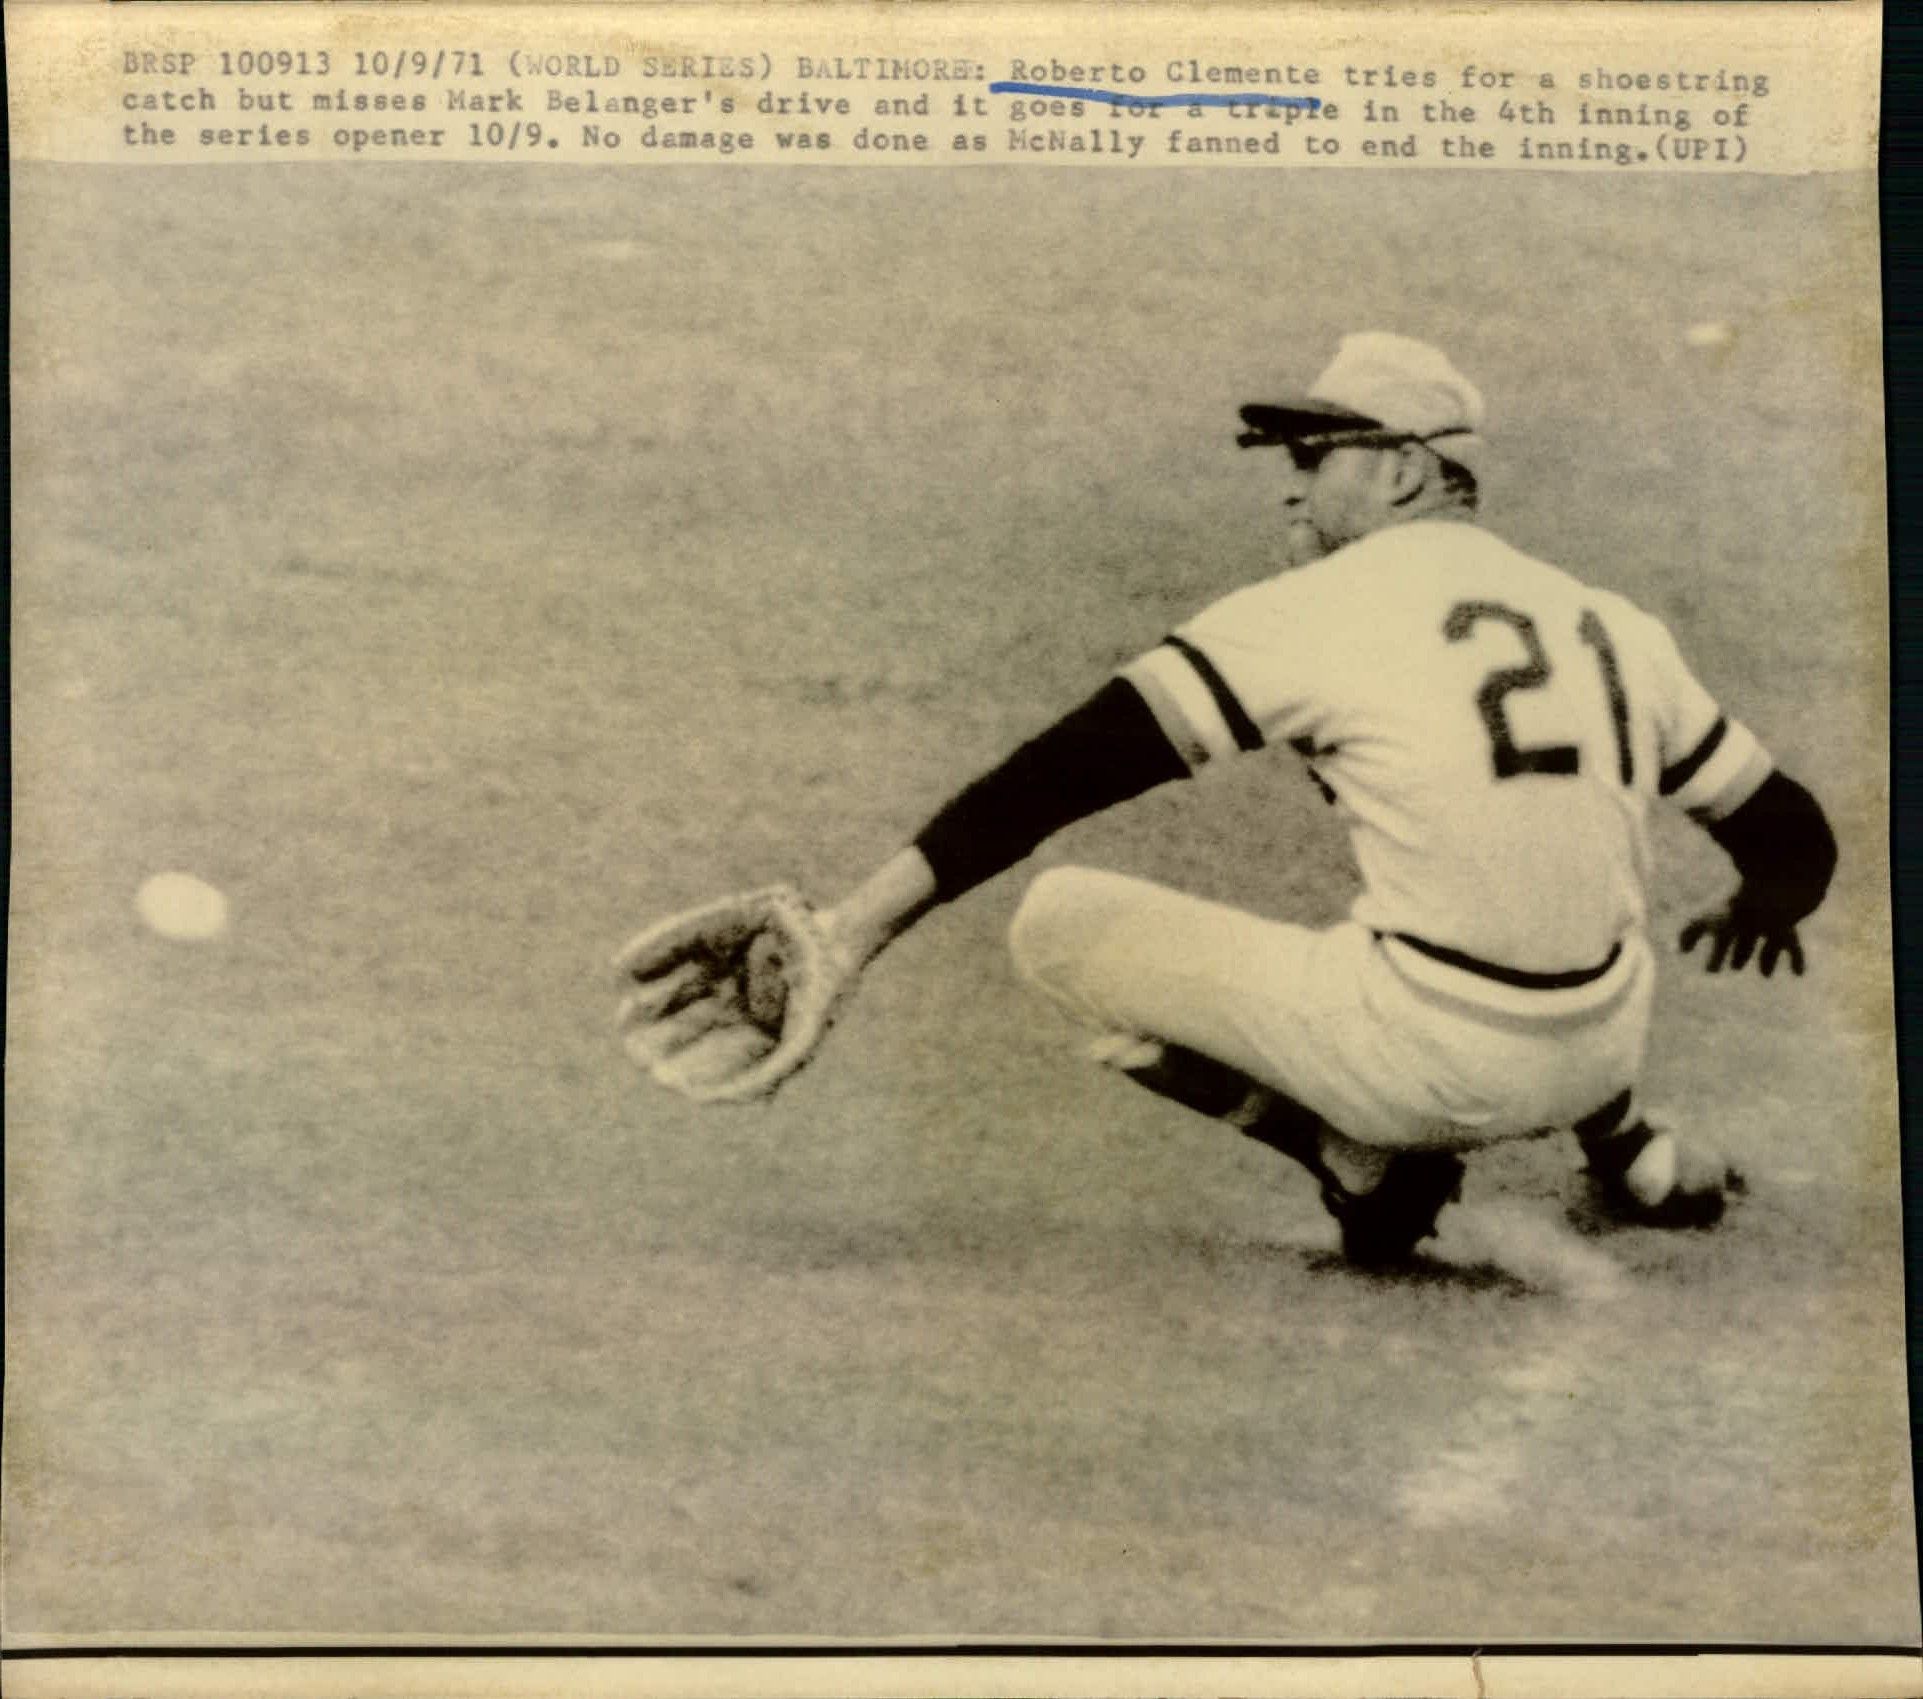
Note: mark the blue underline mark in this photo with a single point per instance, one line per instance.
(1117, 97)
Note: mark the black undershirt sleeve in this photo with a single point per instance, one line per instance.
(1782, 846)
(1104, 752)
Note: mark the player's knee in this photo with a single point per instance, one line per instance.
(1060, 916)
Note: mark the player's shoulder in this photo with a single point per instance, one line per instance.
(1630, 625)
(1413, 549)
(1639, 637)
(1472, 555)
(1403, 574)
(1432, 562)
(1432, 549)
(1397, 568)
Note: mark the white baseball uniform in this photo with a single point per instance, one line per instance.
(1492, 730)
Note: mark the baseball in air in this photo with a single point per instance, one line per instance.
(181, 907)
(1712, 333)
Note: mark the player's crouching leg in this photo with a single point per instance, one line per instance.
(1065, 917)
(1125, 956)
(1156, 974)
(1116, 953)
(1093, 943)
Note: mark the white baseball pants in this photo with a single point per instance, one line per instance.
(1326, 1018)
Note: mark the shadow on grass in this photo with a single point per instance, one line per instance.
(1003, 1248)
(1426, 1273)
(1327, 1263)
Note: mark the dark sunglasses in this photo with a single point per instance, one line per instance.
(1309, 452)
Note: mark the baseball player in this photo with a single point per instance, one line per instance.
(1492, 731)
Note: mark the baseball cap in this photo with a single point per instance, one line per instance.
(1378, 383)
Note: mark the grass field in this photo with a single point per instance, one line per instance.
(459, 569)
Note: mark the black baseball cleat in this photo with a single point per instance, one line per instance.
(1646, 1176)
(1382, 1227)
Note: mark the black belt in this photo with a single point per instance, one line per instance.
(1518, 977)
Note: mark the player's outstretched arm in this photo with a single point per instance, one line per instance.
(1106, 751)
(726, 1002)
(883, 906)
(1786, 854)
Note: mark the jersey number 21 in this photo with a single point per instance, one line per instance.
(1509, 757)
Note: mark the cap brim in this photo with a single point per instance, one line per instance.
(1297, 420)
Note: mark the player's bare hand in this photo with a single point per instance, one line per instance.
(1739, 933)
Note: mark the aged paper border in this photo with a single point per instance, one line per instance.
(40, 104)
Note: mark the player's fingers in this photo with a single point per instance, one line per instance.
(1795, 948)
(1721, 937)
(648, 1004)
(1743, 947)
(651, 1042)
(1687, 939)
(648, 1047)
(654, 953)
(663, 993)
(722, 1056)
(1767, 956)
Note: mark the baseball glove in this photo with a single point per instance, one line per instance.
(729, 1000)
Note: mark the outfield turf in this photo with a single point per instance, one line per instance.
(461, 568)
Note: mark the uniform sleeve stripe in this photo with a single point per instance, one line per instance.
(1181, 707)
(1679, 773)
(1730, 780)
(1247, 735)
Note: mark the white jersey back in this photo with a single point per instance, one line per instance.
(1492, 728)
